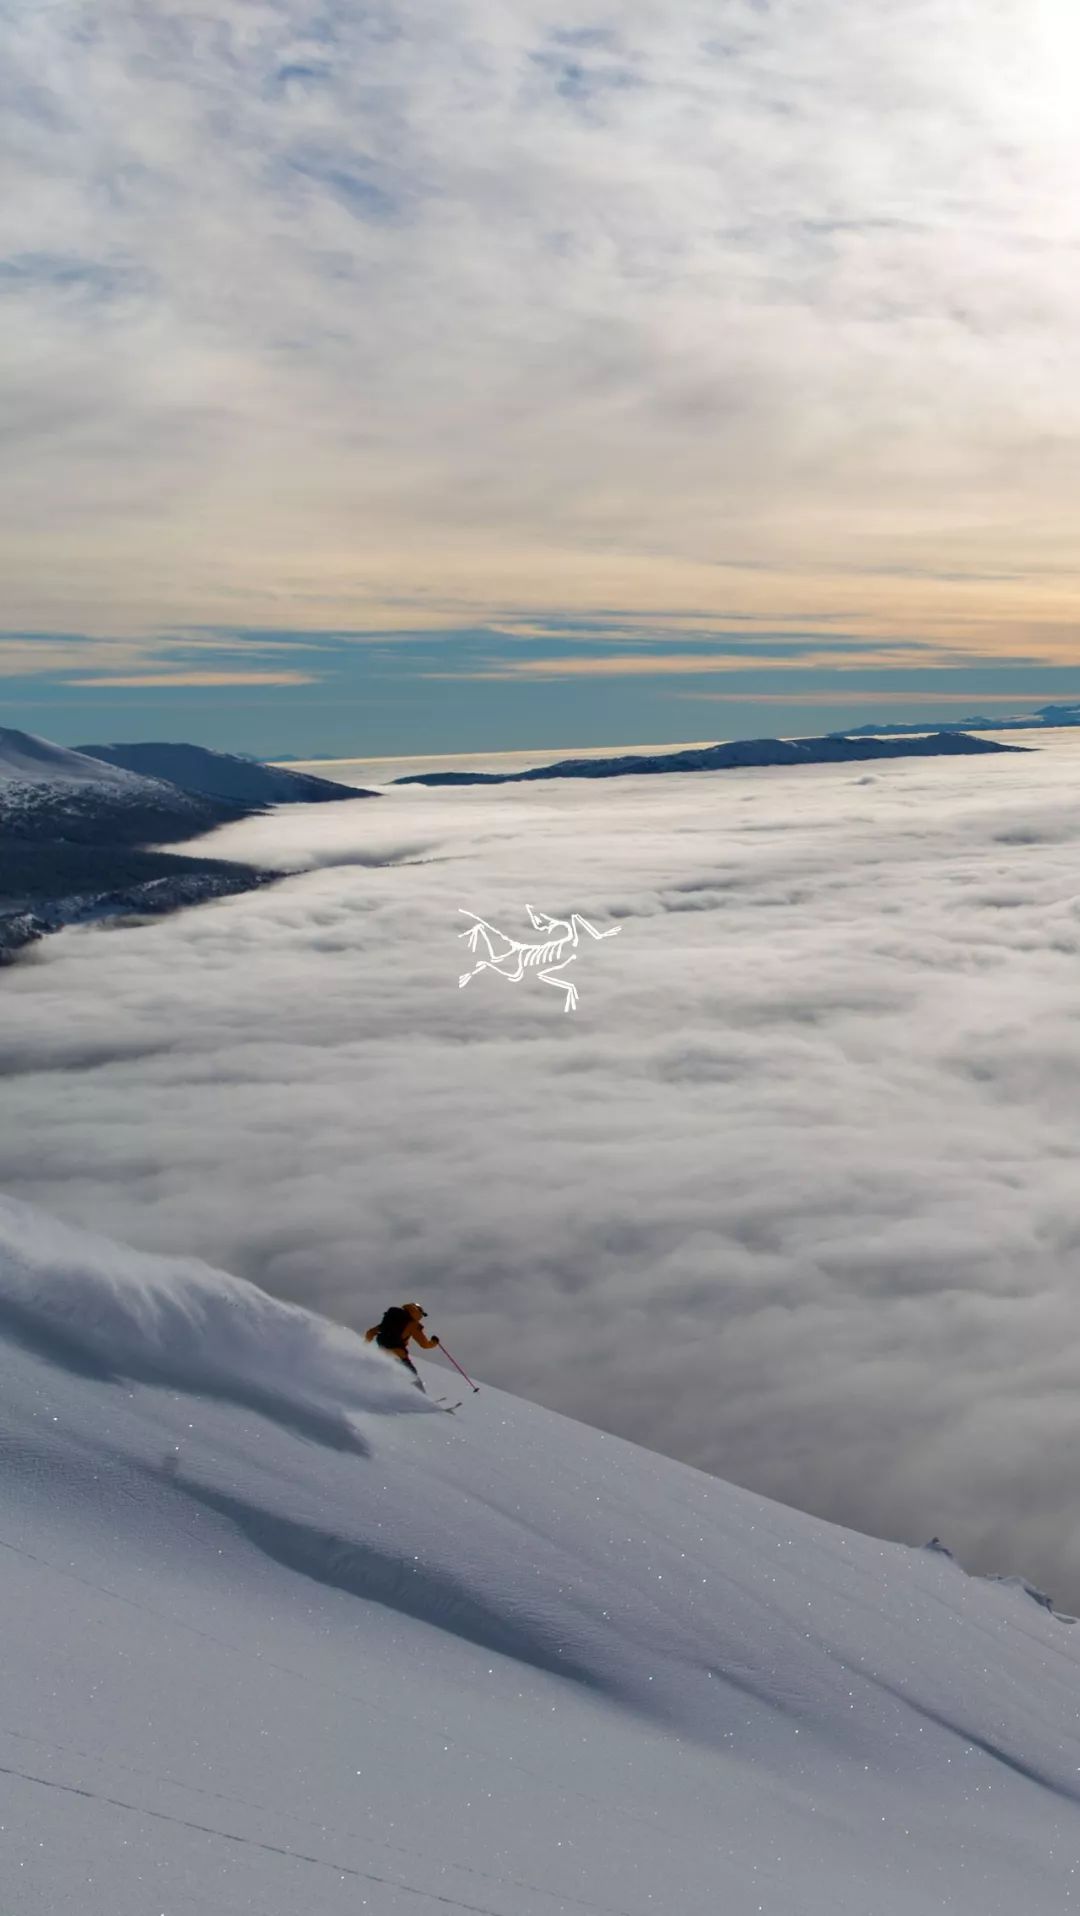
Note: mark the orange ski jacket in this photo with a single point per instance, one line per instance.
(412, 1328)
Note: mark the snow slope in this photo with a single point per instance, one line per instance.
(26, 757)
(281, 1637)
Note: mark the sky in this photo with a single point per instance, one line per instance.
(791, 1195)
(452, 376)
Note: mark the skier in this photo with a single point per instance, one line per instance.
(400, 1325)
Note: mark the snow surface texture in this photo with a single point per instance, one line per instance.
(281, 1637)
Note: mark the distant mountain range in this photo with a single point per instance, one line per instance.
(1045, 718)
(74, 827)
(833, 750)
(81, 831)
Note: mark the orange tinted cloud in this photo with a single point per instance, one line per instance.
(659, 665)
(200, 678)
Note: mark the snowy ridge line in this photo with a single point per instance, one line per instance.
(110, 1313)
(107, 1312)
(1037, 1596)
(1011, 1582)
(29, 760)
(781, 1714)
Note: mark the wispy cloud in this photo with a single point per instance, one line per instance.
(720, 307)
(676, 664)
(101, 659)
(105, 683)
(795, 695)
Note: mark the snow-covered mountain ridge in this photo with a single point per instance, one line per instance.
(281, 1635)
(48, 792)
(73, 839)
(196, 768)
(30, 760)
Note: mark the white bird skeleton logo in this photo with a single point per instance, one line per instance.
(546, 957)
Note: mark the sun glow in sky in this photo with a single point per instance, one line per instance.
(370, 320)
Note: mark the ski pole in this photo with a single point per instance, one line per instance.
(457, 1366)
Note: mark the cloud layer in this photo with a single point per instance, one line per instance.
(792, 1196)
(372, 314)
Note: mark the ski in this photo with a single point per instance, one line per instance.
(440, 1403)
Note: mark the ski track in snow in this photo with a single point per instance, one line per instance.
(240, 1649)
(215, 1796)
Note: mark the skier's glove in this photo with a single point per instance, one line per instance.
(434, 1340)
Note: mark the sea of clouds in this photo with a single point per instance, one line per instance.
(792, 1195)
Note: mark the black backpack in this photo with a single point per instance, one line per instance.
(391, 1332)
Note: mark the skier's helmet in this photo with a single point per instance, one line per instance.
(415, 1310)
